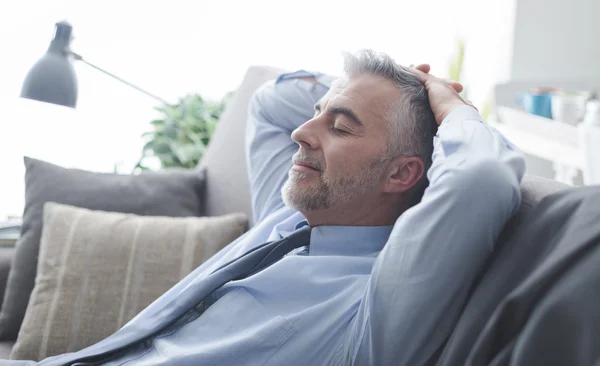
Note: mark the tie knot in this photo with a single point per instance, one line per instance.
(300, 237)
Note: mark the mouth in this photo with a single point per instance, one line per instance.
(301, 166)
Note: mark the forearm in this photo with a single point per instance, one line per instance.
(463, 139)
(420, 280)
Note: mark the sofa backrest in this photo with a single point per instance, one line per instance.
(228, 190)
(227, 187)
(533, 190)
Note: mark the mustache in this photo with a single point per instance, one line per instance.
(299, 158)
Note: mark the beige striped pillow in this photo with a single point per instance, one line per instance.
(98, 269)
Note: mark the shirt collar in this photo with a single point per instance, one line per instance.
(348, 240)
(344, 240)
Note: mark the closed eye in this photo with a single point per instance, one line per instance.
(338, 131)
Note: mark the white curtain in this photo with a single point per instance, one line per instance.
(176, 47)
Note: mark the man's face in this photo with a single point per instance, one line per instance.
(342, 150)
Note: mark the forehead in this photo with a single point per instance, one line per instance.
(368, 96)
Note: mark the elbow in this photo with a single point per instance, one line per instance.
(263, 93)
(285, 104)
(495, 181)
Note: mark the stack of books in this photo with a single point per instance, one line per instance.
(10, 231)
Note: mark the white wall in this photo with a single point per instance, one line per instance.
(488, 35)
(556, 39)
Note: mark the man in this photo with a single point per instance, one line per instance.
(377, 278)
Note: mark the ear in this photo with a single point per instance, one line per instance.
(404, 173)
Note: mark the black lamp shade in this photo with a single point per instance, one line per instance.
(52, 79)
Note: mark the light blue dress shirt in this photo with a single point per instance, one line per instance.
(359, 295)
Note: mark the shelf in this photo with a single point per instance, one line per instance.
(542, 137)
(557, 131)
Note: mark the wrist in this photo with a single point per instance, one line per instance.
(460, 111)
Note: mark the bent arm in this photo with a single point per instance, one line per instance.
(277, 109)
(420, 281)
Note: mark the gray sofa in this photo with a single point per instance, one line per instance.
(227, 184)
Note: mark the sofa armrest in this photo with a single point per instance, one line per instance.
(6, 255)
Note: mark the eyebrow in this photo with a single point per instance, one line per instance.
(343, 111)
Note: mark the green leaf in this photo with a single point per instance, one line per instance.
(161, 147)
(181, 133)
(146, 135)
(171, 131)
(148, 146)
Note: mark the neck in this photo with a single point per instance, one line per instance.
(381, 211)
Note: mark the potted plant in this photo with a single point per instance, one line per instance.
(180, 136)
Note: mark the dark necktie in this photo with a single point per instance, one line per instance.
(261, 257)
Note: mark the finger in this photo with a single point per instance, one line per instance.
(424, 77)
(455, 85)
(424, 68)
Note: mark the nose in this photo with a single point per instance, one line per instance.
(307, 135)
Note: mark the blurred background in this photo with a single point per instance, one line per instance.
(179, 48)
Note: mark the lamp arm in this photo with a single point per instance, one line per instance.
(80, 58)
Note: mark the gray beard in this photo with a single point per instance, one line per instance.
(326, 193)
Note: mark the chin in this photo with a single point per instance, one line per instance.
(304, 197)
(293, 193)
(294, 190)
(297, 176)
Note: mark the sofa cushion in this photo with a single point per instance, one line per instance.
(97, 270)
(534, 189)
(5, 348)
(525, 308)
(6, 255)
(174, 193)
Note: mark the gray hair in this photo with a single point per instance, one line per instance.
(411, 123)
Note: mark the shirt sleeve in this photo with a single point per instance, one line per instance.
(420, 280)
(275, 111)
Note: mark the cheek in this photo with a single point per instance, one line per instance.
(345, 157)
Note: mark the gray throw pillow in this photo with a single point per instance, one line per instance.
(97, 270)
(170, 193)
